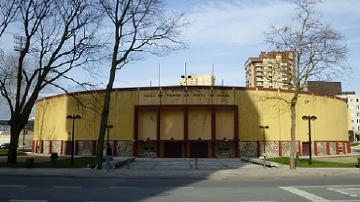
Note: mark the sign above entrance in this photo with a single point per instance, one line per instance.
(189, 96)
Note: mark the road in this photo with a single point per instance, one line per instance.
(22, 189)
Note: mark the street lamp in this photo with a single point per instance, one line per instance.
(108, 127)
(309, 118)
(73, 117)
(263, 128)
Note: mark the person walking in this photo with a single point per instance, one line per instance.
(108, 157)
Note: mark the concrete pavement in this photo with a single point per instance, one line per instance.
(185, 169)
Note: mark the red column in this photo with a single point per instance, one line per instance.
(299, 148)
(213, 132)
(33, 147)
(337, 148)
(257, 148)
(236, 132)
(114, 147)
(315, 148)
(94, 147)
(50, 147)
(348, 147)
(76, 147)
(186, 132)
(136, 122)
(62, 147)
(280, 149)
(42, 146)
(344, 147)
(327, 148)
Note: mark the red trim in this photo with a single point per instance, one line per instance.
(186, 132)
(50, 147)
(337, 148)
(236, 131)
(327, 148)
(94, 147)
(348, 147)
(213, 131)
(62, 147)
(280, 149)
(114, 147)
(158, 119)
(33, 147)
(299, 148)
(344, 148)
(42, 146)
(136, 130)
(315, 148)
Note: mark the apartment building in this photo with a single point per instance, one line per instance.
(353, 104)
(197, 80)
(270, 70)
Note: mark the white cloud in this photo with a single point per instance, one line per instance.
(238, 22)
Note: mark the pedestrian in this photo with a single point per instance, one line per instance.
(108, 157)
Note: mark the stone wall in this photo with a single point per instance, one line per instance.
(56, 147)
(285, 148)
(272, 149)
(124, 148)
(332, 148)
(321, 148)
(248, 149)
(85, 148)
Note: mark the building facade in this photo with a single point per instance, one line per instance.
(191, 121)
(353, 103)
(270, 70)
(324, 87)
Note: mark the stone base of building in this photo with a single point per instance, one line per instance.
(191, 149)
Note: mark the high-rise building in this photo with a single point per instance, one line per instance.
(197, 80)
(353, 104)
(270, 70)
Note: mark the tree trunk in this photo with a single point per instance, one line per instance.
(293, 134)
(104, 119)
(14, 140)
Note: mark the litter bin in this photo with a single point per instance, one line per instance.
(29, 162)
(54, 157)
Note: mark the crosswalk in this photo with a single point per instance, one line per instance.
(315, 193)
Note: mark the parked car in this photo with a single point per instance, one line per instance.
(5, 146)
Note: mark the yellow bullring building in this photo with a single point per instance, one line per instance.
(191, 121)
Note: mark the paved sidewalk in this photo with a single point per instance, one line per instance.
(172, 169)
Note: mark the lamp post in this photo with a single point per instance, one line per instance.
(263, 128)
(108, 127)
(309, 118)
(73, 117)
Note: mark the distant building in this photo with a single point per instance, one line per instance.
(353, 104)
(270, 70)
(324, 87)
(197, 80)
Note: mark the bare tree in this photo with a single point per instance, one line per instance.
(138, 26)
(58, 36)
(8, 10)
(319, 52)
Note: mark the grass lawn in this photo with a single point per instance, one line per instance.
(315, 163)
(81, 162)
(355, 144)
(4, 152)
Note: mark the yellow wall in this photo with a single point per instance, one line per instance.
(255, 108)
(172, 125)
(199, 124)
(147, 125)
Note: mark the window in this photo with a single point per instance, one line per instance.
(357, 100)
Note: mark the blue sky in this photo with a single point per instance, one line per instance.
(225, 33)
